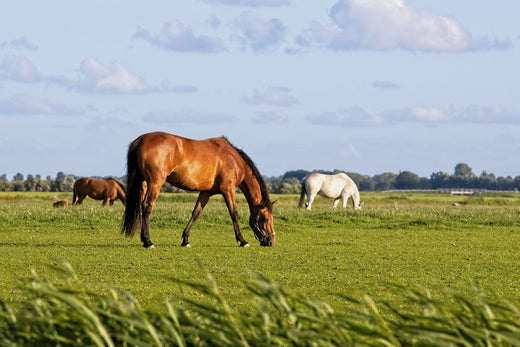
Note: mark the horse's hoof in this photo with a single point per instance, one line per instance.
(186, 245)
(244, 244)
(149, 246)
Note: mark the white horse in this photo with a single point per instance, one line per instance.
(338, 186)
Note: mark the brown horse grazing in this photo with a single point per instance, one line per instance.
(107, 189)
(61, 203)
(211, 166)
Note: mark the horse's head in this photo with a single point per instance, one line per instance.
(262, 224)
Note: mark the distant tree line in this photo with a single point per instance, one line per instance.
(61, 183)
(463, 177)
(290, 182)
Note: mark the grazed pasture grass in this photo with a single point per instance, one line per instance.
(413, 240)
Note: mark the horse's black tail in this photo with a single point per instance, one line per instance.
(302, 196)
(73, 196)
(134, 191)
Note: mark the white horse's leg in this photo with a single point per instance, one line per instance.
(345, 199)
(310, 199)
(335, 204)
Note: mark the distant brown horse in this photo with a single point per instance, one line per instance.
(61, 203)
(107, 189)
(211, 166)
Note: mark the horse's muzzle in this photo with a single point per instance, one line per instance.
(268, 240)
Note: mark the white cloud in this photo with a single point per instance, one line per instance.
(19, 69)
(354, 116)
(485, 114)
(316, 34)
(427, 114)
(167, 87)
(456, 114)
(270, 118)
(19, 43)
(22, 104)
(278, 96)
(187, 117)
(260, 34)
(385, 85)
(115, 79)
(178, 37)
(391, 24)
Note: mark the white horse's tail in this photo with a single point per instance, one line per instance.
(302, 196)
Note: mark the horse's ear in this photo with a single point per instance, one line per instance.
(274, 202)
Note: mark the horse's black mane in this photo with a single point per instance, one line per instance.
(263, 187)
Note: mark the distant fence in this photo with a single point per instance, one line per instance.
(454, 191)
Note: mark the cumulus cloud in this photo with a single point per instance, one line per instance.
(260, 35)
(22, 104)
(278, 96)
(166, 86)
(391, 24)
(356, 116)
(385, 85)
(485, 114)
(316, 34)
(97, 78)
(353, 116)
(252, 3)
(19, 43)
(270, 117)
(178, 37)
(187, 117)
(19, 69)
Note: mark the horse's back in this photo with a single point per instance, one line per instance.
(187, 163)
(80, 182)
(330, 186)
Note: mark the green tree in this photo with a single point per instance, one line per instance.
(463, 170)
(18, 177)
(63, 182)
(30, 183)
(384, 181)
(290, 186)
(407, 180)
(3, 183)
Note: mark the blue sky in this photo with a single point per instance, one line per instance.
(358, 85)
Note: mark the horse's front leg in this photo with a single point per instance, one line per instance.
(336, 201)
(344, 199)
(229, 197)
(202, 200)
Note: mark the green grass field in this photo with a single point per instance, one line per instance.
(414, 240)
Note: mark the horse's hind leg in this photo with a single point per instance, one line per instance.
(344, 199)
(146, 208)
(197, 210)
(310, 199)
(81, 197)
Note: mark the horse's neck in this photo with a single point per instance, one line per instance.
(355, 196)
(251, 189)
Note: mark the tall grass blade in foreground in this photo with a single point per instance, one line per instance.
(53, 316)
